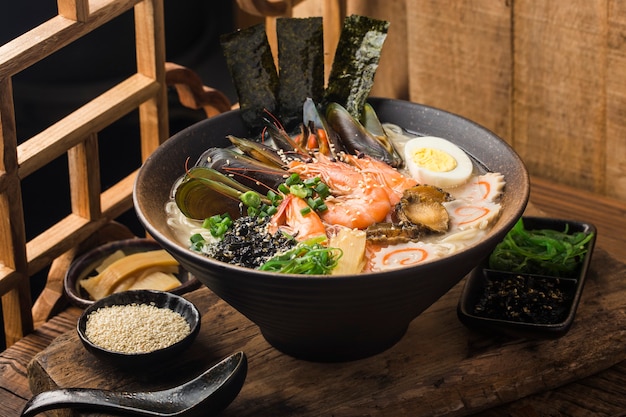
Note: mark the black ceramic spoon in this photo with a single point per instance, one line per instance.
(205, 395)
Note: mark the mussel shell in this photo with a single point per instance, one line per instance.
(311, 116)
(258, 151)
(250, 172)
(372, 124)
(204, 192)
(354, 137)
(285, 143)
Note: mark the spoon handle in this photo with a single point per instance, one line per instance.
(129, 403)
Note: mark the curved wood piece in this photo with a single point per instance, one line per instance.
(52, 299)
(192, 93)
(266, 8)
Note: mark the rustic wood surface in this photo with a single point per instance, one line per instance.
(439, 368)
(404, 379)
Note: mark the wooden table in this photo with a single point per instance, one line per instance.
(602, 394)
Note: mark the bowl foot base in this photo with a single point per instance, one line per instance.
(342, 349)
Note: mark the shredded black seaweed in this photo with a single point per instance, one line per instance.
(526, 299)
(247, 243)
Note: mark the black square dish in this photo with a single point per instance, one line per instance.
(527, 303)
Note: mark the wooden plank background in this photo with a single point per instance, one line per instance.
(546, 76)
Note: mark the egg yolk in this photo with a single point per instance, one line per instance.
(434, 160)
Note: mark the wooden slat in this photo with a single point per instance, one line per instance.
(8, 278)
(56, 33)
(92, 117)
(150, 47)
(560, 84)
(74, 9)
(8, 172)
(84, 173)
(57, 239)
(16, 302)
(460, 59)
(16, 305)
(616, 102)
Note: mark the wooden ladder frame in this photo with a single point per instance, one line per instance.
(76, 135)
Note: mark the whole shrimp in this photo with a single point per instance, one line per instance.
(392, 180)
(290, 218)
(357, 199)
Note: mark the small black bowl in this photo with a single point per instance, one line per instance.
(540, 322)
(159, 299)
(84, 266)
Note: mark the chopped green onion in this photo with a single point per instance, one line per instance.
(299, 190)
(218, 224)
(311, 182)
(273, 197)
(293, 179)
(317, 202)
(309, 257)
(197, 241)
(322, 190)
(251, 199)
(313, 190)
(197, 237)
(283, 188)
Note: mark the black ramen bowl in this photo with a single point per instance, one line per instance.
(521, 305)
(159, 299)
(344, 317)
(84, 267)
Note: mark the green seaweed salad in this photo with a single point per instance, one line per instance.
(540, 251)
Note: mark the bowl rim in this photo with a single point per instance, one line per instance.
(497, 229)
(141, 297)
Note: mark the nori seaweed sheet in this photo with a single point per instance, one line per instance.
(301, 66)
(355, 62)
(251, 65)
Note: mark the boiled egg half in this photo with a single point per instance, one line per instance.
(437, 161)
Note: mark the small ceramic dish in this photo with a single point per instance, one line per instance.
(525, 305)
(84, 266)
(137, 321)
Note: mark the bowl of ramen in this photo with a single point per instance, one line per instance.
(315, 314)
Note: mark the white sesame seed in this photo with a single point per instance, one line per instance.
(135, 328)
